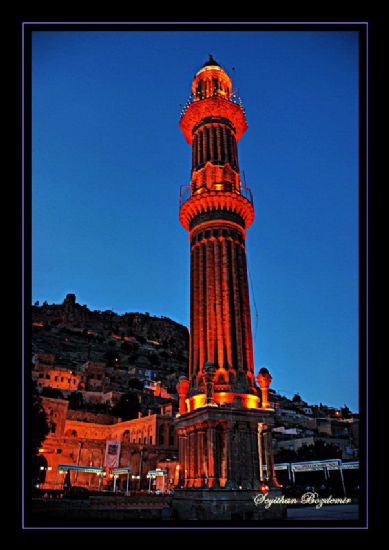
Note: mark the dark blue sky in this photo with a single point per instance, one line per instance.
(109, 158)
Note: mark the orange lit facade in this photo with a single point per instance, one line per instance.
(145, 442)
(225, 418)
(58, 378)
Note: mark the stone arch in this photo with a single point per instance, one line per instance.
(161, 435)
(171, 435)
(150, 435)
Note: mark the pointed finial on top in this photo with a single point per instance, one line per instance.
(211, 61)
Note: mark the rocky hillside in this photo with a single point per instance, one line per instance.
(136, 342)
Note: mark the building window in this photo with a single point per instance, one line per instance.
(53, 427)
(150, 440)
(47, 376)
(62, 379)
(55, 378)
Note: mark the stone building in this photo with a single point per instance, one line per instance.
(144, 442)
(56, 377)
(93, 377)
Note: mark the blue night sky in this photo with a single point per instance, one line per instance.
(109, 158)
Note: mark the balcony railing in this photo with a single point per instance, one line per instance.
(186, 193)
(234, 98)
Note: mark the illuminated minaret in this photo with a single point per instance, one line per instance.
(217, 213)
(224, 418)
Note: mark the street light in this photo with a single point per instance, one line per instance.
(100, 475)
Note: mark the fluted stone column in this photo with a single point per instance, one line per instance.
(211, 454)
(212, 142)
(210, 298)
(200, 451)
(237, 306)
(227, 314)
(218, 143)
(198, 148)
(202, 307)
(195, 327)
(204, 132)
(218, 304)
(245, 308)
(225, 455)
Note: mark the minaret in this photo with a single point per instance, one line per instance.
(217, 213)
(223, 422)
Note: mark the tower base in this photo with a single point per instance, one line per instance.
(222, 504)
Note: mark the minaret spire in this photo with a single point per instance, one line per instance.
(217, 213)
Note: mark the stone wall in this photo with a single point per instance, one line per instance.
(86, 416)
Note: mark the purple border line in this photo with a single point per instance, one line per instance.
(194, 528)
(291, 528)
(195, 23)
(367, 269)
(23, 279)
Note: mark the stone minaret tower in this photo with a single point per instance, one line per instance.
(224, 418)
(216, 214)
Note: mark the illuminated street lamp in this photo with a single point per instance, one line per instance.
(100, 476)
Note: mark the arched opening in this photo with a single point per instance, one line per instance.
(161, 435)
(171, 436)
(126, 436)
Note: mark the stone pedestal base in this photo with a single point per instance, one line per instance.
(222, 504)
